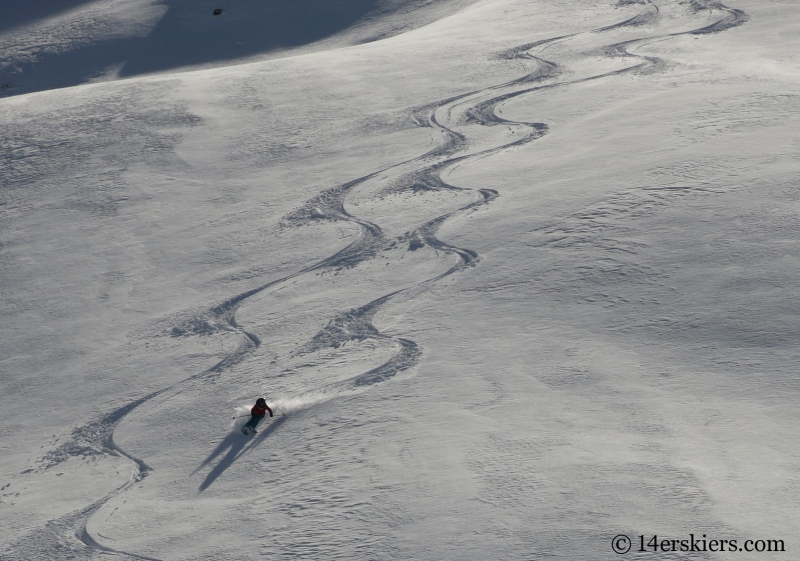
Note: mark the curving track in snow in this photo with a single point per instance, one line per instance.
(423, 173)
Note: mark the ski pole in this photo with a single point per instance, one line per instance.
(240, 416)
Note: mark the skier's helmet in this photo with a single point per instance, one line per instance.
(261, 402)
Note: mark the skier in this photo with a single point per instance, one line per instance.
(257, 413)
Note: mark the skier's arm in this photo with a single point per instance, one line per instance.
(268, 409)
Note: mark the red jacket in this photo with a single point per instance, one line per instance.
(260, 411)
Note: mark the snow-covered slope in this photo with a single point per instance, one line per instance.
(515, 282)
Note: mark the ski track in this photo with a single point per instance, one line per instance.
(97, 437)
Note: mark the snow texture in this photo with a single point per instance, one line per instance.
(515, 277)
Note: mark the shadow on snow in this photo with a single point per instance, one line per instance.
(237, 445)
(19, 13)
(187, 35)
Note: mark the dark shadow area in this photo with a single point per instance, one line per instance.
(14, 13)
(61, 70)
(237, 445)
(189, 34)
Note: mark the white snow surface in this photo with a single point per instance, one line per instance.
(517, 279)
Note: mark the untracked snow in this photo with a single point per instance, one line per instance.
(516, 277)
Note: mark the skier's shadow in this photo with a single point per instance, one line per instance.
(237, 445)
